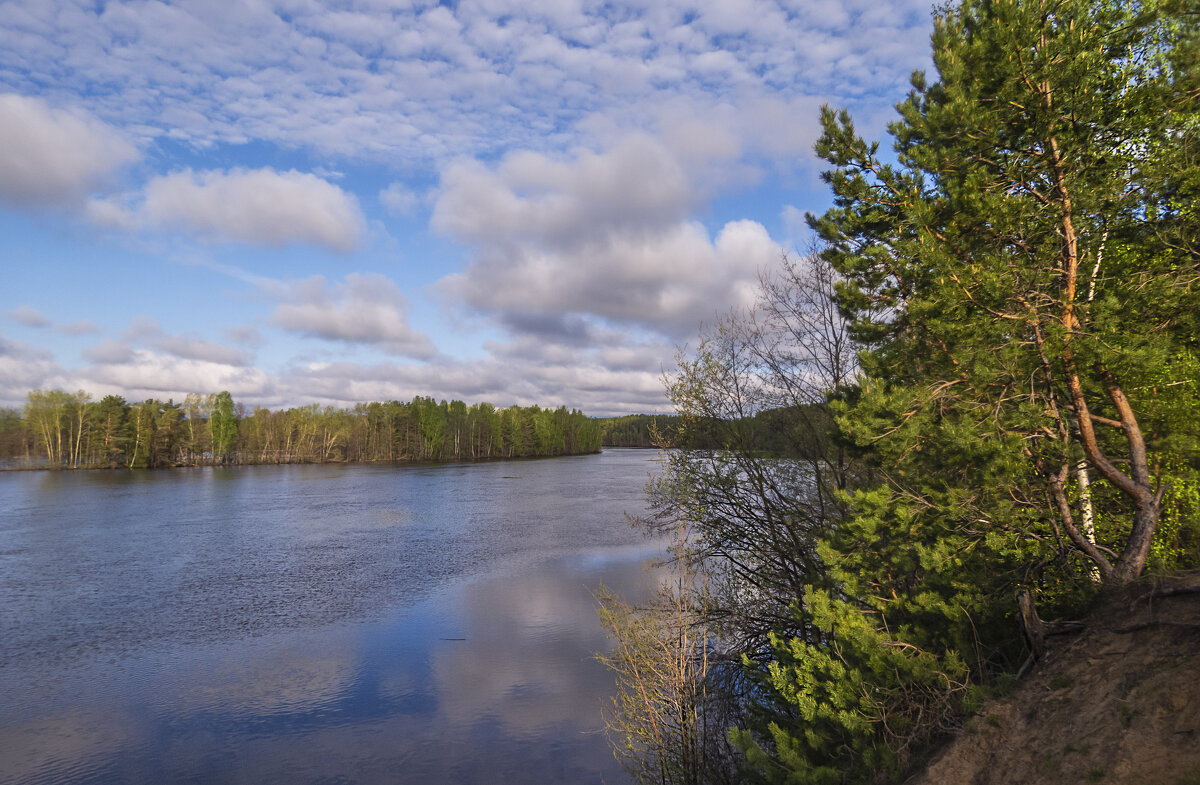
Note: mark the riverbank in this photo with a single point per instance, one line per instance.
(1118, 703)
(43, 467)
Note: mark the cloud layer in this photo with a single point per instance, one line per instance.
(252, 206)
(528, 201)
(421, 80)
(52, 157)
(603, 236)
(366, 309)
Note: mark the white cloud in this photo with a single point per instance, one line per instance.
(586, 384)
(145, 374)
(108, 353)
(147, 331)
(366, 309)
(590, 246)
(190, 348)
(601, 235)
(409, 82)
(621, 376)
(669, 282)
(636, 186)
(255, 206)
(24, 367)
(795, 227)
(52, 157)
(28, 316)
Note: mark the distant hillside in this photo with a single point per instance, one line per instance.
(785, 431)
(1118, 703)
(638, 430)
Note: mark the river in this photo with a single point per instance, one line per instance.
(314, 624)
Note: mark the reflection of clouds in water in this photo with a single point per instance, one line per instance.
(262, 682)
(53, 747)
(528, 659)
(518, 701)
(276, 633)
(601, 558)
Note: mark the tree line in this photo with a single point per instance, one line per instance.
(637, 430)
(774, 430)
(57, 429)
(1002, 324)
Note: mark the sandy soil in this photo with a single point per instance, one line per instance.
(1118, 703)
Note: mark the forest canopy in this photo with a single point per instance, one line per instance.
(57, 429)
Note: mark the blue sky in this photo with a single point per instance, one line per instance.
(333, 202)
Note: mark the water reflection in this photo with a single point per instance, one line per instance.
(485, 676)
(492, 681)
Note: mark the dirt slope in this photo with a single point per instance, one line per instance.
(1117, 704)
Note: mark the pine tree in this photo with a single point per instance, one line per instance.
(1026, 270)
(1023, 273)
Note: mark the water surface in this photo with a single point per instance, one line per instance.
(322, 624)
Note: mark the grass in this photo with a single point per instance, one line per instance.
(1126, 715)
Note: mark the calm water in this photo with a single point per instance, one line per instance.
(319, 624)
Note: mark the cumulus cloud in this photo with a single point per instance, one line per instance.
(632, 116)
(189, 348)
(24, 367)
(602, 236)
(147, 331)
(142, 373)
(531, 198)
(366, 309)
(586, 383)
(795, 227)
(669, 282)
(255, 206)
(28, 316)
(53, 157)
(618, 377)
(31, 317)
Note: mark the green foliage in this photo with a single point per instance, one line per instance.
(762, 483)
(16, 441)
(1022, 275)
(857, 699)
(70, 430)
(640, 430)
(223, 422)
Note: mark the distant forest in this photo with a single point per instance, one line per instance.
(775, 431)
(56, 429)
(639, 430)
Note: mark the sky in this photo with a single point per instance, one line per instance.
(363, 200)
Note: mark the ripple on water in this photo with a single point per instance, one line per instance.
(287, 624)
